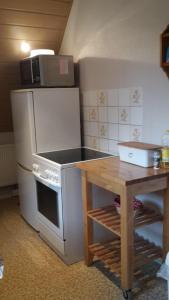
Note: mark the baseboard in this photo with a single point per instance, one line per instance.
(8, 191)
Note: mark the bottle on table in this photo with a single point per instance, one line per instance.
(165, 150)
(157, 159)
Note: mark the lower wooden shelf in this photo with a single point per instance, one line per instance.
(110, 219)
(109, 253)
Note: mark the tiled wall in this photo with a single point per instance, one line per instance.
(110, 116)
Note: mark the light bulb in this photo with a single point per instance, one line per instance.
(25, 47)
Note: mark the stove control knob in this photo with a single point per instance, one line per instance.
(36, 168)
(52, 175)
(47, 172)
(56, 177)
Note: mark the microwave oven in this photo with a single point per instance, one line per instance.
(47, 71)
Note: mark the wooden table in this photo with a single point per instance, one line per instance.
(126, 180)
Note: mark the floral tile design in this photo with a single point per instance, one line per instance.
(102, 98)
(124, 115)
(136, 96)
(90, 114)
(136, 133)
(92, 142)
(93, 114)
(103, 130)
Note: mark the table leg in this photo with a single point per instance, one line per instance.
(88, 223)
(166, 221)
(127, 239)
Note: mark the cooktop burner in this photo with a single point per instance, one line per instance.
(73, 155)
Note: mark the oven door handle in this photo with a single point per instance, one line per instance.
(46, 181)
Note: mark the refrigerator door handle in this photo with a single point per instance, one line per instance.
(24, 168)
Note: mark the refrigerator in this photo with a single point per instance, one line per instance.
(44, 120)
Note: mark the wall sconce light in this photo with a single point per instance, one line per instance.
(25, 47)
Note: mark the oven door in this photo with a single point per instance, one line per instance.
(49, 202)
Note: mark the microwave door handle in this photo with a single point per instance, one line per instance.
(31, 72)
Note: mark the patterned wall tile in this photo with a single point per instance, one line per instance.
(124, 97)
(85, 99)
(136, 116)
(103, 130)
(113, 147)
(112, 97)
(102, 98)
(93, 114)
(92, 142)
(85, 114)
(113, 114)
(87, 140)
(136, 96)
(90, 113)
(124, 133)
(104, 145)
(124, 115)
(103, 112)
(113, 131)
(136, 133)
(89, 98)
(91, 128)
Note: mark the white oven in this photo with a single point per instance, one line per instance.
(59, 200)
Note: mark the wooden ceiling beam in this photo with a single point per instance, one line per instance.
(39, 6)
(29, 33)
(32, 19)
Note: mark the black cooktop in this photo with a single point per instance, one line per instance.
(73, 155)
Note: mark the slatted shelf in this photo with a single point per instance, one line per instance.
(110, 219)
(109, 253)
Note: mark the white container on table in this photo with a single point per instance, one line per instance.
(138, 153)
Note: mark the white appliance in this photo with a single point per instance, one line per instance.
(59, 198)
(44, 120)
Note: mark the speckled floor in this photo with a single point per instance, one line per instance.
(33, 270)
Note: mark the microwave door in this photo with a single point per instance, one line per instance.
(26, 72)
(36, 71)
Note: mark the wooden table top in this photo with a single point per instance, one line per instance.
(112, 169)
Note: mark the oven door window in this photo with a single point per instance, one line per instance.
(48, 203)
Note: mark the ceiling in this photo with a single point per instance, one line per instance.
(41, 23)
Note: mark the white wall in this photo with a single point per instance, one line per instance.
(117, 44)
(116, 29)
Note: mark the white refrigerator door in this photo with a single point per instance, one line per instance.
(27, 196)
(57, 118)
(24, 130)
